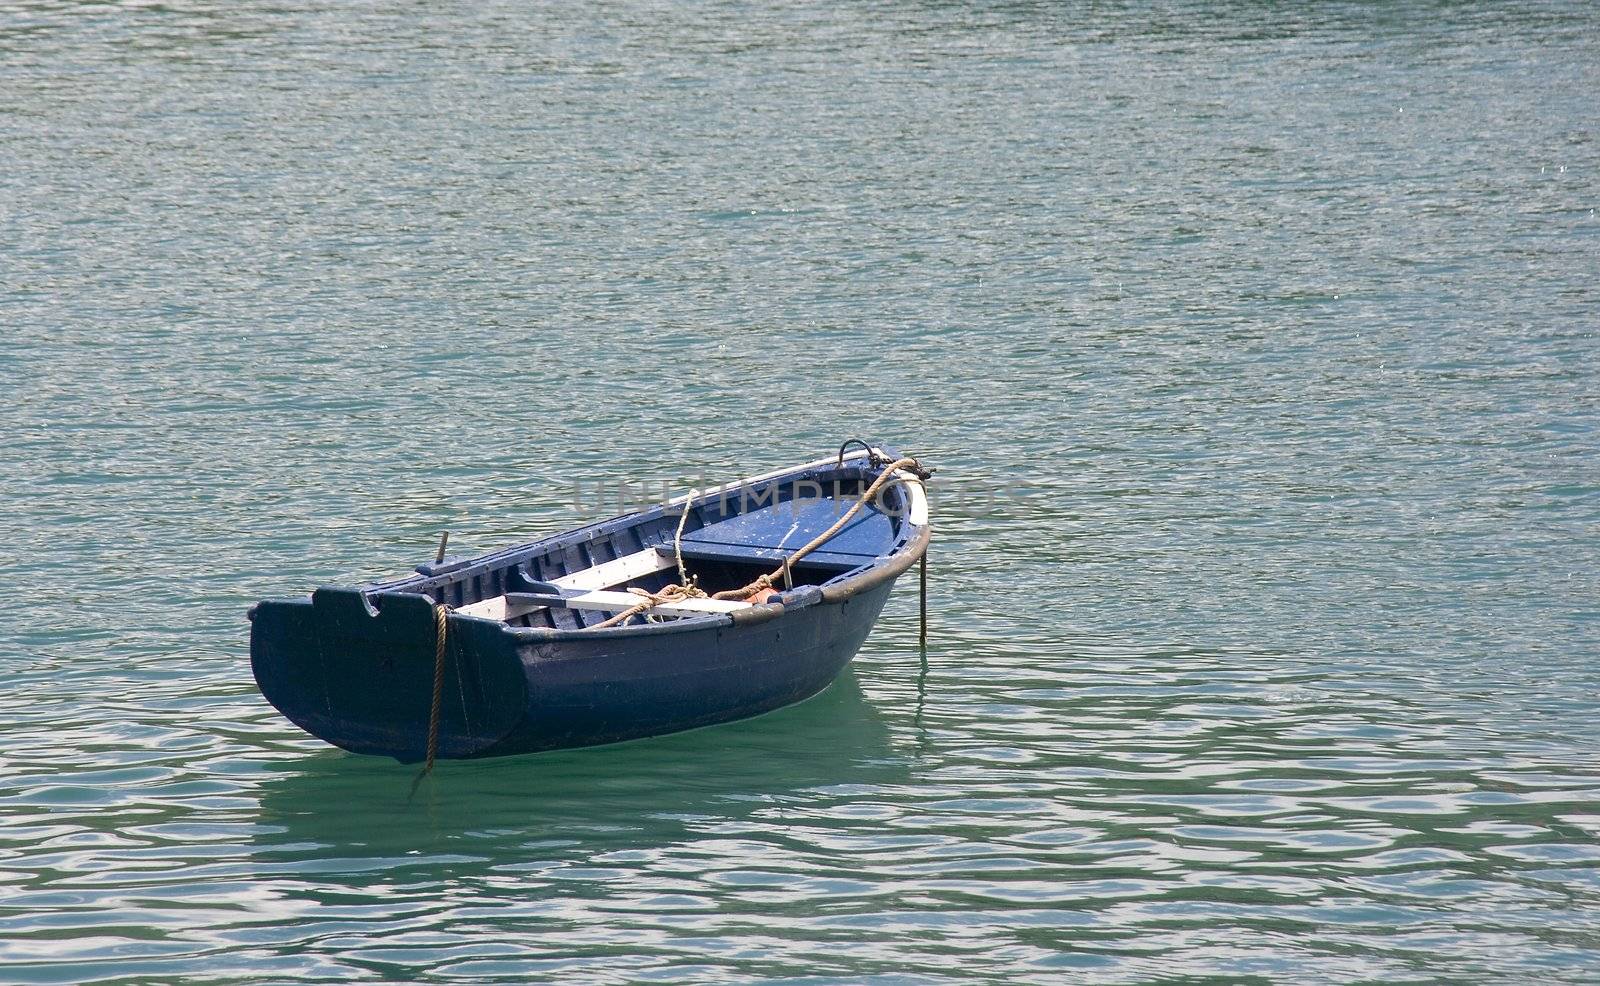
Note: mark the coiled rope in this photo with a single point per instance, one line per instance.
(686, 588)
(651, 600)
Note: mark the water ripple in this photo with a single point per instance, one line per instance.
(1256, 348)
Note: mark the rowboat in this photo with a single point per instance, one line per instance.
(714, 606)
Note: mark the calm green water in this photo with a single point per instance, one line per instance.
(1277, 327)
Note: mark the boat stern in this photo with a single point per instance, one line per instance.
(356, 670)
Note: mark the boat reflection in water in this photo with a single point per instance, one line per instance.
(609, 797)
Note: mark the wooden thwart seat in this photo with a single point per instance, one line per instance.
(595, 592)
(515, 604)
(617, 571)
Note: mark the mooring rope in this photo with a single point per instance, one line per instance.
(766, 581)
(441, 626)
(922, 600)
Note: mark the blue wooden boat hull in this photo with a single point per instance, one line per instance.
(354, 665)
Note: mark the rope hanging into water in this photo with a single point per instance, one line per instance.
(922, 599)
(441, 626)
(782, 571)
